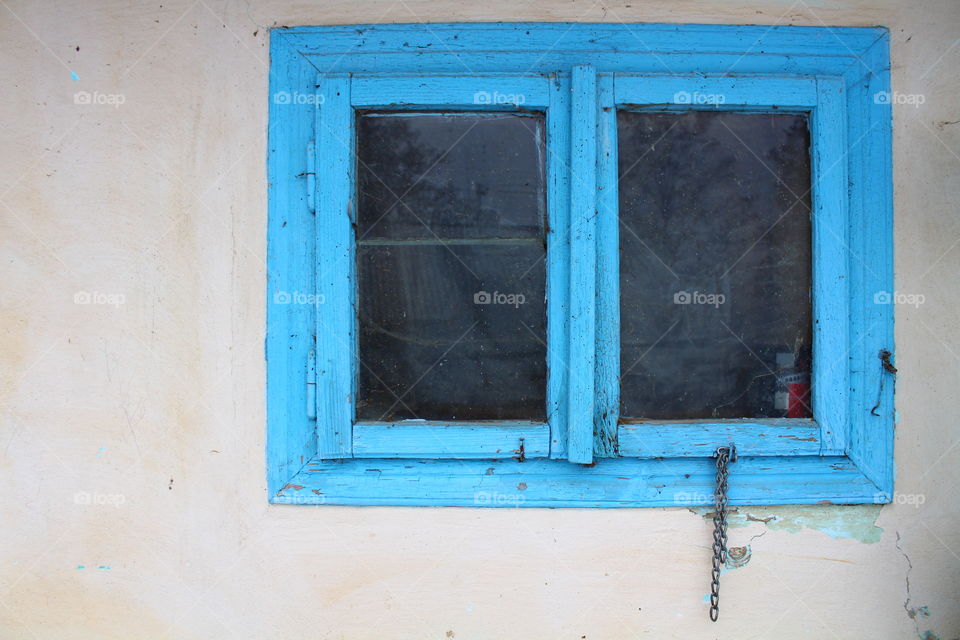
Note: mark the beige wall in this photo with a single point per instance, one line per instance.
(155, 404)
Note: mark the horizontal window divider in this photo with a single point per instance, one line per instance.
(507, 424)
(493, 91)
(549, 60)
(620, 482)
(442, 439)
(452, 111)
(453, 75)
(695, 91)
(532, 47)
(766, 437)
(384, 242)
(667, 107)
(724, 421)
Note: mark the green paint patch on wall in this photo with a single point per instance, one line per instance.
(837, 521)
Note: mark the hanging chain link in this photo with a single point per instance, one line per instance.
(725, 456)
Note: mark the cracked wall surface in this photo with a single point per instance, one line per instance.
(132, 229)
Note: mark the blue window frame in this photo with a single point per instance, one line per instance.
(579, 76)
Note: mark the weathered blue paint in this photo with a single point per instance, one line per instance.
(488, 91)
(858, 522)
(822, 98)
(700, 92)
(291, 435)
(336, 351)
(614, 482)
(577, 74)
(583, 262)
(547, 47)
(607, 374)
(870, 173)
(428, 439)
(312, 384)
(338, 97)
(311, 177)
(558, 262)
(831, 266)
(777, 437)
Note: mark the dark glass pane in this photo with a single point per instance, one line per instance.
(452, 318)
(715, 265)
(450, 176)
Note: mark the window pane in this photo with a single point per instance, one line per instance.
(451, 267)
(715, 265)
(451, 176)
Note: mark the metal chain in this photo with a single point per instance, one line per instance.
(725, 455)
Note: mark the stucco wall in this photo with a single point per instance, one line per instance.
(132, 376)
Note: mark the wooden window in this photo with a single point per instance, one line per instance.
(561, 264)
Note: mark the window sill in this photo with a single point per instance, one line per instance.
(615, 482)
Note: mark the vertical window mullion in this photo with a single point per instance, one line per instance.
(583, 217)
(607, 410)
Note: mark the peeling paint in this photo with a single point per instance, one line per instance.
(919, 611)
(738, 557)
(857, 522)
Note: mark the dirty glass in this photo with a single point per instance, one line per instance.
(451, 266)
(715, 265)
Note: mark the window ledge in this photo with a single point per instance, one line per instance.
(620, 482)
